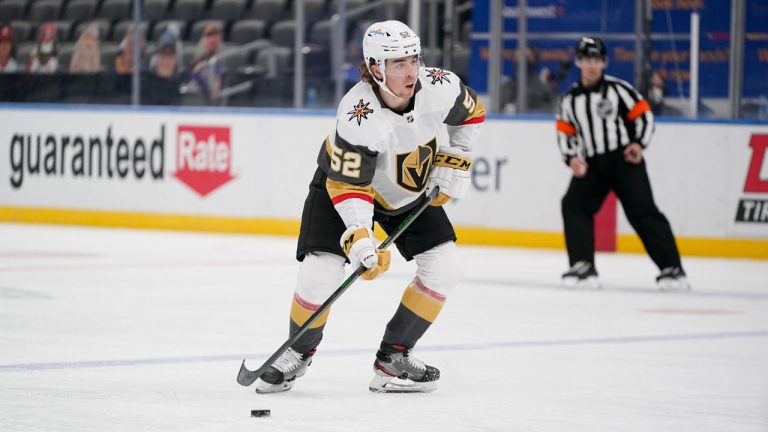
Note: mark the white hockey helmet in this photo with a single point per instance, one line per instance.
(388, 40)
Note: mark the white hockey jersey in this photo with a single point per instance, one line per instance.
(384, 157)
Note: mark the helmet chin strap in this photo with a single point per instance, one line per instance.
(382, 82)
(386, 89)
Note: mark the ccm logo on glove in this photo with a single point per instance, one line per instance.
(451, 174)
(451, 161)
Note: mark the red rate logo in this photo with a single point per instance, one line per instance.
(203, 157)
(754, 183)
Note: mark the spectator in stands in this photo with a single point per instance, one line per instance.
(87, 55)
(542, 83)
(542, 97)
(544, 90)
(124, 59)
(43, 58)
(165, 63)
(206, 72)
(656, 93)
(209, 44)
(8, 63)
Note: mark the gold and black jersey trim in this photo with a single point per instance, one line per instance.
(347, 162)
(467, 108)
(340, 191)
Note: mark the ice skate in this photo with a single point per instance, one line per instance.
(282, 374)
(672, 279)
(401, 372)
(581, 275)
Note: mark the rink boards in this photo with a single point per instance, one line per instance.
(248, 170)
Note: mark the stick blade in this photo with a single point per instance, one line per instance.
(246, 377)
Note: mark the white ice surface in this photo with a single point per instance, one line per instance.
(130, 330)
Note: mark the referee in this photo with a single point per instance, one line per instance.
(603, 126)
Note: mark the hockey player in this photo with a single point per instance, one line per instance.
(401, 131)
(603, 127)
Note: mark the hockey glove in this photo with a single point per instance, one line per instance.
(451, 174)
(359, 246)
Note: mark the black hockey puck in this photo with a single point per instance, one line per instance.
(260, 413)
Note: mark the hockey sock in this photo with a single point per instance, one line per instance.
(301, 310)
(418, 309)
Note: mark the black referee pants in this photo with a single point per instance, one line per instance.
(610, 172)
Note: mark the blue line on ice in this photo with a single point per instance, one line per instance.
(426, 348)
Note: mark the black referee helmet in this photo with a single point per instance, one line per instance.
(591, 47)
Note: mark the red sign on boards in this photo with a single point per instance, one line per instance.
(203, 157)
(754, 208)
(754, 183)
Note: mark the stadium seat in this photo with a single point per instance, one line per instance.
(115, 9)
(11, 10)
(245, 31)
(314, 10)
(227, 10)
(44, 10)
(22, 30)
(251, 54)
(235, 60)
(283, 33)
(23, 49)
(119, 29)
(80, 10)
(275, 60)
(154, 10)
(268, 11)
(274, 65)
(109, 51)
(188, 10)
(65, 51)
(321, 33)
(187, 55)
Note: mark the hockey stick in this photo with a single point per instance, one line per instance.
(247, 377)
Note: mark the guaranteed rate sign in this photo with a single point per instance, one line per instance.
(203, 157)
(150, 162)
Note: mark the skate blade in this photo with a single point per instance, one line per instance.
(592, 282)
(263, 387)
(389, 384)
(679, 284)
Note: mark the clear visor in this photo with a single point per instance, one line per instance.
(592, 60)
(404, 66)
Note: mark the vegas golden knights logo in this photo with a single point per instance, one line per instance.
(413, 168)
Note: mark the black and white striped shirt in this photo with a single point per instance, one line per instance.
(609, 115)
